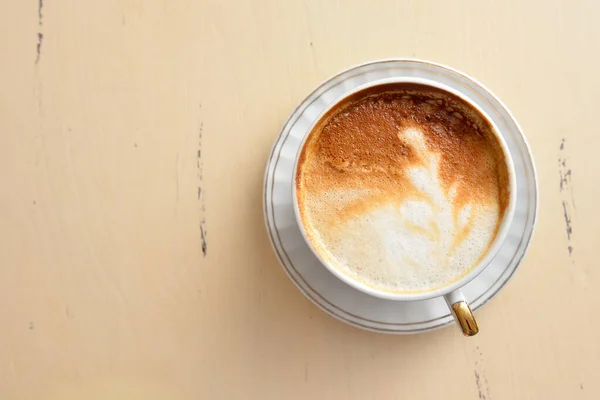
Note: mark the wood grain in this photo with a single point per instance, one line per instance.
(134, 261)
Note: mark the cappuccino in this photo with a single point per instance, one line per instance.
(402, 187)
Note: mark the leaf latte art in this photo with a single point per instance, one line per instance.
(402, 187)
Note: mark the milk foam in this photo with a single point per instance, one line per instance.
(417, 244)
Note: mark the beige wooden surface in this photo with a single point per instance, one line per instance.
(131, 106)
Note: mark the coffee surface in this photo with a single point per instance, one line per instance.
(402, 187)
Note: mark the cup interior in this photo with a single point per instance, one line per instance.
(502, 228)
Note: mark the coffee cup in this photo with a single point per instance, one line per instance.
(409, 145)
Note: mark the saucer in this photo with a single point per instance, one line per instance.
(321, 286)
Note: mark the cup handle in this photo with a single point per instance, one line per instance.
(462, 313)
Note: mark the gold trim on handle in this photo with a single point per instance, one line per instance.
(464, 316)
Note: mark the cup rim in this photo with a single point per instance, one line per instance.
(500, 234)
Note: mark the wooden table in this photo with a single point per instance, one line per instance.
(134, 259)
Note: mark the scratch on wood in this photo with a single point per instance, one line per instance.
(565, 178)
(565, 187)
(199, 167)
(203, 236)
(569, 228)
(40, 35)
(478, 383)
(39, 47)
(40, 11)
(483, 388)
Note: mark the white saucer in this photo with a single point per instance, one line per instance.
(315, 281)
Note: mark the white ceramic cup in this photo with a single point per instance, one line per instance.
(452, 292)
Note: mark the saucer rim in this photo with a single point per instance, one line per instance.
(445, 320)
